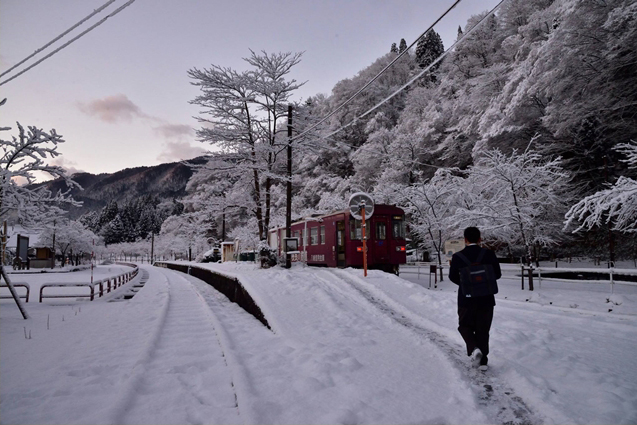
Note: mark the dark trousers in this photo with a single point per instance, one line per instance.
(474, 324)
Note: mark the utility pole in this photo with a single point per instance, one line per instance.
(288, 200)
(611, 241)
(4, 241)
(152, 247)
(53, 244)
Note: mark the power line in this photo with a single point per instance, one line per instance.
(417, 76)
(342, 105)
(71, 41)
(96, 11)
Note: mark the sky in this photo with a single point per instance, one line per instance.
(342, 348)
(120, 94)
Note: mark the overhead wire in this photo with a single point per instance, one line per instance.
(404, 52)
(95, 12)
(91, 28)
(416, 77)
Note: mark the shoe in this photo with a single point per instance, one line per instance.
(476, 357)
(483, 363)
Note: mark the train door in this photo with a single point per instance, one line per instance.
(380, 242)
(340, 244)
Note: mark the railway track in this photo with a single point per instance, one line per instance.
(183, 371)
(499, 402)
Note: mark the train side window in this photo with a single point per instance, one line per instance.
(322, 235)
(314, 236)
(398, 227)
(381, 231)
(355, 230)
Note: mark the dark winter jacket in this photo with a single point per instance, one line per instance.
(472, 252)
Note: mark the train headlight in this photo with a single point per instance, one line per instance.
(400, 248)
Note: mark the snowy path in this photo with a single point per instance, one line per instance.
(334, 358)
(183, 364)
(497, 400)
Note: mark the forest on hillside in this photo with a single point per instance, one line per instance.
(532, 113)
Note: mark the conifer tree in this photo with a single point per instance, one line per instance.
(114, 231)
(403, 45)
(428, 49)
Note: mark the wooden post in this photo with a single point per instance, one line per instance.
(288, 198)
(3, 273)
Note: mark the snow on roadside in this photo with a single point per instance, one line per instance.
(77, 359)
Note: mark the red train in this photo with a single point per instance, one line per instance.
(334, 240)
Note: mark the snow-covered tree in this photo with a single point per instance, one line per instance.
(431, 206)
(428, 49)
(185, 234)
(242, 117)
(69, 236)
(516, 198)
(20, 159)
(615, 206)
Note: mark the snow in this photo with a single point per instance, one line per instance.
(342, 349)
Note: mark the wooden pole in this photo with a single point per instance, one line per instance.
(25, 315)
(288, 199)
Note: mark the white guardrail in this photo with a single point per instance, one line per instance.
(512, 271)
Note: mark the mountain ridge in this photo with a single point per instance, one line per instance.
(166, 181)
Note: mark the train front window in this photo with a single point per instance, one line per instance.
(398, 227)
(356, 231)
(314, 236)
(381, 231)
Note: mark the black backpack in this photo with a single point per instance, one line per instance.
(477, 279)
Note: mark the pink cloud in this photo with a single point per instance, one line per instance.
(112, 109)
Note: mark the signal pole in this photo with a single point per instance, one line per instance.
(364, 240)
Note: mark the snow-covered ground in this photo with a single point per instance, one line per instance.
(342, 349)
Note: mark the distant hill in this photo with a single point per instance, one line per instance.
(165, 181)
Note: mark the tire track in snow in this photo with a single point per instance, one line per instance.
(183, 376)
(499, 402)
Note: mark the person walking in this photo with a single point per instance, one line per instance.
(475, 310)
